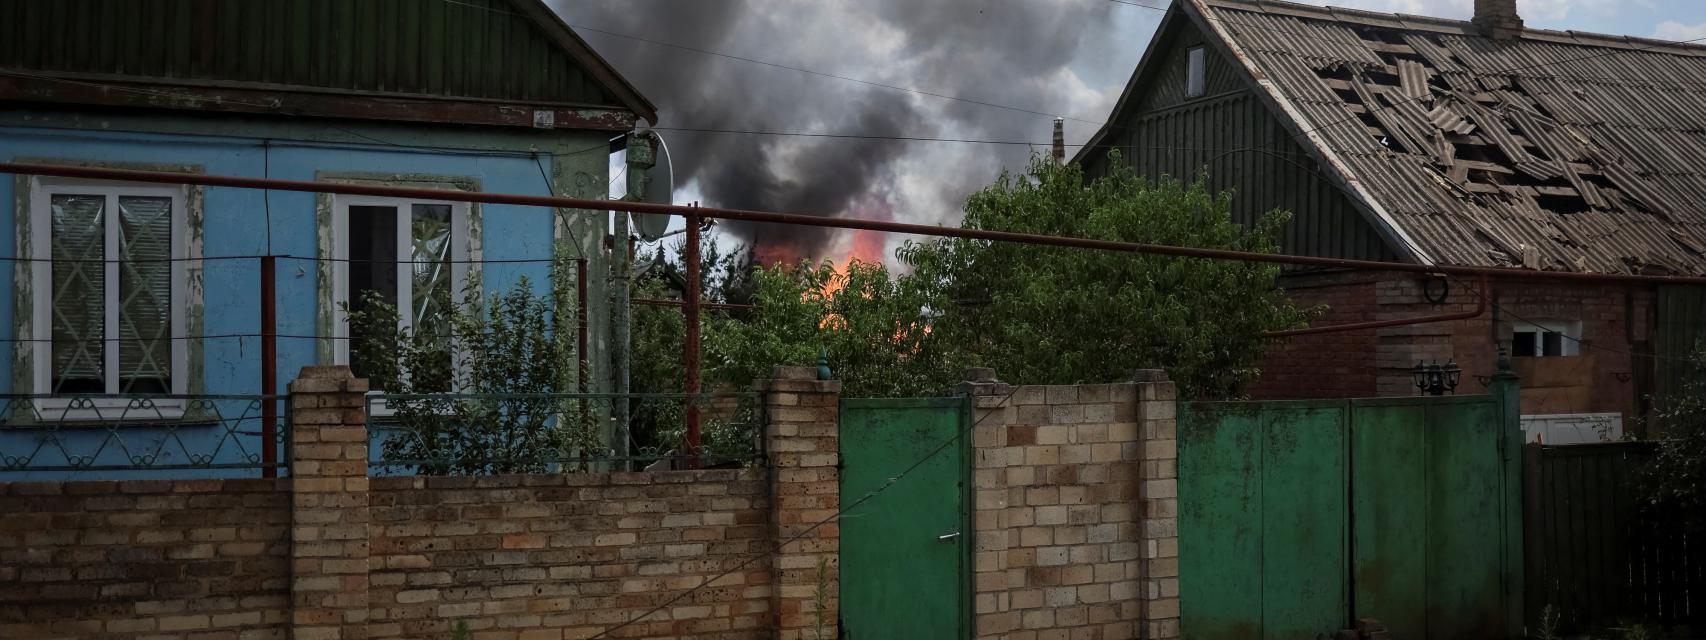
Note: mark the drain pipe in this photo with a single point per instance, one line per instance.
(1480, 308)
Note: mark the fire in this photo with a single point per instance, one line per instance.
(864, 246)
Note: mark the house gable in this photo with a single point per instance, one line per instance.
(1548, 150)
(1229, 137)
(228, 55)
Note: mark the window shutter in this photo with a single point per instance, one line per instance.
(78, 237)
(145, 295)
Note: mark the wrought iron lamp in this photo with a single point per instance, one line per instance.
(1436, 379)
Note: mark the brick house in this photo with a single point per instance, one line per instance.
(1432, 141)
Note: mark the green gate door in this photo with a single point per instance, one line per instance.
(1296, 518)
(906, 553)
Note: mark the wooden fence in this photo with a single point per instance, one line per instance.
(1593, 554)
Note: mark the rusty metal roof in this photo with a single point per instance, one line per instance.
(1555, 150)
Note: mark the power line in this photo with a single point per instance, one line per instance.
(1493, 302)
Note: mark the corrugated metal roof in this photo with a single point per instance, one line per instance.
(1565, 151)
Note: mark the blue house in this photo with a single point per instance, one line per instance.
(131, 336)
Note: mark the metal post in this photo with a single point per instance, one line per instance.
(691, 357)
(640, 160)
(621, 270)
(269, 369)
(580, 321)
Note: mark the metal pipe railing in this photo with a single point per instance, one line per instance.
(714, 213)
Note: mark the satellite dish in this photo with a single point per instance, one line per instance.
(660, 189)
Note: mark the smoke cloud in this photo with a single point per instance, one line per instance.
(1065, 57)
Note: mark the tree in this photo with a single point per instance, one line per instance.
(1061, 315)
(502, 359)
(873, 328)
(1675, 478)
(1036, 315)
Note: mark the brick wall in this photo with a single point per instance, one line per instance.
(331, 554)
(1075, 513)
(1333, 365)
(166, 560)
(1377, 362)
(565, 556)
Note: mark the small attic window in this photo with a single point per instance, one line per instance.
(1196, 61)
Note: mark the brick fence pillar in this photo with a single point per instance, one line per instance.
(802, 441)
(329, 510)
(1158, 497)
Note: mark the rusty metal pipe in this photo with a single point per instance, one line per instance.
(269, 368)
(690, 357)
(1480, 308)
(833, 223)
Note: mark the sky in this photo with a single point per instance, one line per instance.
(1012, 65)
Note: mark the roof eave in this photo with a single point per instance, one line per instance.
(583, 53)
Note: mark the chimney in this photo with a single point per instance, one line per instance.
(1497, 19)
(1060, 141)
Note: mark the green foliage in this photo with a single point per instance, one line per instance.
(1059, 316)
(1036, 315)
(1549, 618)
(1675, 479)
(501, 351)
(874, 327)
(820, 601)
(658, 337)
(459, 631)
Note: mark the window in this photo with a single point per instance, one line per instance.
(105, 309)
(412, 253)
(1196, 61)
(108, 305)
(1543, 338)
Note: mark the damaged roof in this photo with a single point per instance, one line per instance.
(1552, 150)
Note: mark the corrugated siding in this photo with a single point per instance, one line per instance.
(470, 48)
(1244, 148)
(1682, 325)
(1168, 87)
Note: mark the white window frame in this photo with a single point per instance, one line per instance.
(1196, 72)
(459, 266)
(1568, 330)
(41, 292)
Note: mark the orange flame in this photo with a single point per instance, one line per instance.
(866, 246)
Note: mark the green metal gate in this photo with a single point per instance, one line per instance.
(1299, 517)
(906, 553)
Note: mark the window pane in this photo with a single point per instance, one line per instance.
(372, 237)
(145, 295)
(79, 291)
(431, 257)
(1523, 344)
(431, 289)
(1554, 344)
(1194, 72)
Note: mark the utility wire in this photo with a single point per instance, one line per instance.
(1492, 301)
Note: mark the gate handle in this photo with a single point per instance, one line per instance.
(948, 536)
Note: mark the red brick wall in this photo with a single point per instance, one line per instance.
(157, 559)
(566, 556)
(1615, 320)
(1333, 365)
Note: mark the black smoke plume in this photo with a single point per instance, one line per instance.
(1008, 52)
